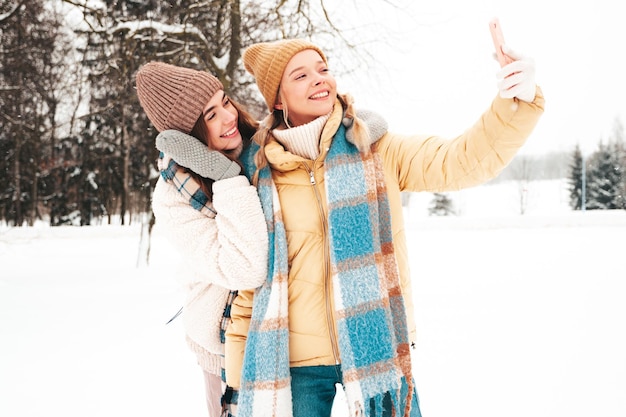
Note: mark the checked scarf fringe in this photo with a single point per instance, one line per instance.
(373, 336)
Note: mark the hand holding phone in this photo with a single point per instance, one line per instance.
(498, 41)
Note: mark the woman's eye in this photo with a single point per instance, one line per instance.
(226, 102)
(209, 117)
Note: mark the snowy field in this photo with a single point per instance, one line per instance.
(517, 315)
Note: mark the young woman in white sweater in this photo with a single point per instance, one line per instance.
(211, 215)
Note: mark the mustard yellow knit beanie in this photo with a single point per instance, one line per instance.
(266, 62)
(173, 97)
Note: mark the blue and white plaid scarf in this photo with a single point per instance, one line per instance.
(185, 184)
(371, 318)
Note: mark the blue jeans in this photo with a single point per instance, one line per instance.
(313, 389)
(313, 392)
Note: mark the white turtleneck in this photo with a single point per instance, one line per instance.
(303, 140)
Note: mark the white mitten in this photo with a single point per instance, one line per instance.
(517, 79)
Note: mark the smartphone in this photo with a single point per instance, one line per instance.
(498, 41)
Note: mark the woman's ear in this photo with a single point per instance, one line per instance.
(278, 105)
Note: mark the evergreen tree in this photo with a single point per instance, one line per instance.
(576, 180)
(605, 180)
(618, 139)
(441, 205)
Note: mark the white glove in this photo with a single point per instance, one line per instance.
(517, 79)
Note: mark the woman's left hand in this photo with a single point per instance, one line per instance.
(517, 79)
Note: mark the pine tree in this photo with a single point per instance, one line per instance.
(576, 180)
(441, 205)
(605, 180)
(618, 139)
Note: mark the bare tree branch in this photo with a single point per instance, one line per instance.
(6, 15)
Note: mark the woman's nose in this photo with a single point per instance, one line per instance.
(227, 117)
(318, 79)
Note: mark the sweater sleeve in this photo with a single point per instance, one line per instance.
(436, 164)
(229, 250)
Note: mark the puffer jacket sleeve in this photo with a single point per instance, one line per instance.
(230, 249)
(436, 164)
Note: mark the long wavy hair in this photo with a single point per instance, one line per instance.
(277, 118)
(247, 126)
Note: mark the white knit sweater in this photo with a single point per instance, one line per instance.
(222, 253)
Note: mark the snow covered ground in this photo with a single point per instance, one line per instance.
(517, 315)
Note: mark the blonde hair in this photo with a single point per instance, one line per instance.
(360, 131)
(263, 136)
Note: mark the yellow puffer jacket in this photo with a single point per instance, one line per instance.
(411, 163)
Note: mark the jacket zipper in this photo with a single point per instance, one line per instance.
(327, 277)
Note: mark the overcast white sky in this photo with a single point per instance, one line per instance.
(440, 75)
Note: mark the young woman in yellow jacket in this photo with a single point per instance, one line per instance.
(337, 303)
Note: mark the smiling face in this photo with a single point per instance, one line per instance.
(307, 89)
(221, 119)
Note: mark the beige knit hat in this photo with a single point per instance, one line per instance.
(174, 97)
(266, 62)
